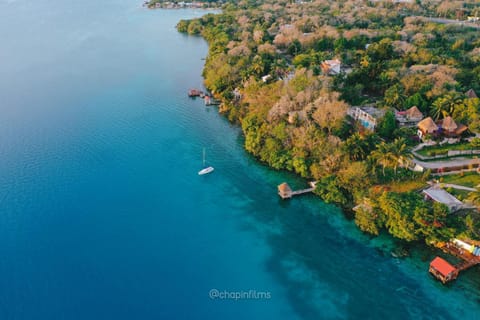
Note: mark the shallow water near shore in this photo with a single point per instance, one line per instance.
(103, 214)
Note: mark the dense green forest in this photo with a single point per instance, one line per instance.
(265, 64)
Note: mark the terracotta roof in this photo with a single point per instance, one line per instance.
(413, 112)
(427, 125)
(449, 124)
(442, 266)
(471, 94)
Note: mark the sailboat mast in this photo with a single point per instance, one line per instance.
(204, 157)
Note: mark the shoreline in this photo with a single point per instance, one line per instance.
(174, 5)
(348, 202)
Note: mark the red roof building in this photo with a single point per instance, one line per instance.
(443, 270)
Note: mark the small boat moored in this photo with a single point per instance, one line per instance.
(205, 171)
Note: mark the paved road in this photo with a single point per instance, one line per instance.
(457, 162)
(450, 185)
(450, 21)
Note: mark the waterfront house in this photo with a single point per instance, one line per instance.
(367, 116)
(409, 118)
(427, 126)
(439, 195)
(331, 67)
(443, 270)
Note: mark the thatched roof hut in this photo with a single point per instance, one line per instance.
(471, 94)
(427, 126)
(414, 113)
(449, 125)
(461, 129)
(284, 190)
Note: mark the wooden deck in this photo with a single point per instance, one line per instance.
(468, 259)
(285, 192)
(297, 192)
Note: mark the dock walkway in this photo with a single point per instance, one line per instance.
(468, 260)
(285, 192)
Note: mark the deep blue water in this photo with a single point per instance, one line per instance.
(103, 215)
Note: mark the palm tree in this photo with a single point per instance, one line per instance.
(446, 105)
(383, 155)
(399, 153)
(354, 146)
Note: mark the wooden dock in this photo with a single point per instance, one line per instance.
(285, 192)
(468, 260)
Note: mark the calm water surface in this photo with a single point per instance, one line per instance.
(103, 215)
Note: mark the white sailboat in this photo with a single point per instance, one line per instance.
(205, 170)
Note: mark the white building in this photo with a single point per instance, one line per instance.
(368, 116)
(442, 196)
(331, 67)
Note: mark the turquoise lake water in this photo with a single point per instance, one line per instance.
(103, 215)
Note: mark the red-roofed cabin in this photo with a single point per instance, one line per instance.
(443, 270)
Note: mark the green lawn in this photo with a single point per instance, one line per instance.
(444, 148)
(467, 179)
(459, 194)
(405, 186)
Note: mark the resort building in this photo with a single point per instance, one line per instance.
(367, 116)
(409, 118)
(426, 126)
(442, 196)
(447, 127)
(451, 128)
(331, 67)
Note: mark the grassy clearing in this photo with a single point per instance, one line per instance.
(468, 179)
(443, 149)
(405, 186)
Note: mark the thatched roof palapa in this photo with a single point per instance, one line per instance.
(471, 94)
(414, 113)
(284, 188)
(449, 124)
(461, 129)
(427, 125)
(284, 191)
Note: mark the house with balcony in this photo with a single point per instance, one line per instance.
(368, 116)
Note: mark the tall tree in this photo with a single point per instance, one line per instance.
(355, 147)
(383, 156)
(399, 153)
(445, 106)
(387, 125)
